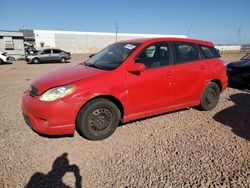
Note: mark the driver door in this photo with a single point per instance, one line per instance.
(46, 55)
(151, 90)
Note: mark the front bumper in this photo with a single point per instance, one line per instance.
(50, 118)
(238, 78)
(28, 59)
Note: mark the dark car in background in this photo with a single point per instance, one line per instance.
(49, 55)
(238, 72)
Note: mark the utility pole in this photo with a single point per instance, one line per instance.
(239, 34)
(116, 30)
(24, 33)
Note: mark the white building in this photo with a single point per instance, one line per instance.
(12, 43)
(84, 42)
(228, 47)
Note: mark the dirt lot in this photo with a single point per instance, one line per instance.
(188, 148)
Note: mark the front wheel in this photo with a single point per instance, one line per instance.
(98, 119)
(63, 60)
(36, 60)
(210, 97)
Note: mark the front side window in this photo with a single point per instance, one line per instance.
(186, 52)
(155, 55)
(46, 52)
(209, 52)
(112, 56)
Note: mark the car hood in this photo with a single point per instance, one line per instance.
(64, 76)
(239, 64)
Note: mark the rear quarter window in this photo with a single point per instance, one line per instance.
(209, 52)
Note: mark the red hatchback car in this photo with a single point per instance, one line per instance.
(125, 81)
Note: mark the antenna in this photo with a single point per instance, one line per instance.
(189, 29)
(116, 30)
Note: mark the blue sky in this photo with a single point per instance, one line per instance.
(219, 21)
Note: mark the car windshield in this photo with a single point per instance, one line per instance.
(112, 56)
(247, 57)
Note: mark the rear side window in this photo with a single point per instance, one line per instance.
(209, 52)
(186, 52)
(56, 51)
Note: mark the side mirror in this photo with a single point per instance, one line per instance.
(91, 55)
(136, 68)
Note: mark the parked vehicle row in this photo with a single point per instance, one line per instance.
(125, 81)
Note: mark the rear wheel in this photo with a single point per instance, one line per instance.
(1, 61)
(36, 60)
(98, 119)
(210, 97)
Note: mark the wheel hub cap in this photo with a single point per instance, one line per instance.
(100, 119)
(211, 95)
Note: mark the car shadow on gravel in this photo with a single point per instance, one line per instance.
(237, 116)
(54, 178)
(8, 63)
(55, 136)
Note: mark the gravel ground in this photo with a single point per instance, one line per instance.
(187, 148)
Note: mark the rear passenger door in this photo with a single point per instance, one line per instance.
(190, 72)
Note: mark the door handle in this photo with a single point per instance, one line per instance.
(202, 67)
(169, 73)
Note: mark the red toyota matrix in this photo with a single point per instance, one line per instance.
(125, 81)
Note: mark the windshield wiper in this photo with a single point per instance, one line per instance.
(98, 66)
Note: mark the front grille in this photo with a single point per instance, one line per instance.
(33, 91)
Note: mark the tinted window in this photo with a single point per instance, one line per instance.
(186, 52)
(57, 51)
(155, 55)
(209, 52)
(46, 52)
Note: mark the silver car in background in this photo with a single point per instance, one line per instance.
(49, 55)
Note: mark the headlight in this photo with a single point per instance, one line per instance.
(57, 93)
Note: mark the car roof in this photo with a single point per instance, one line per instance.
(150, 40)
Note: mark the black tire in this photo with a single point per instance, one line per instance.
(1, 61)
(36, 60)
(98, 119)
(63, 60)
(210, 97)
